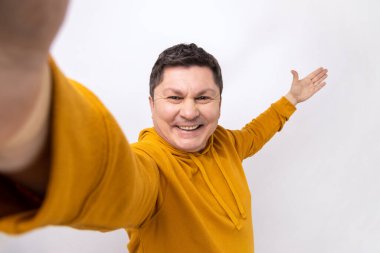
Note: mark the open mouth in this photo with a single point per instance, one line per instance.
(189, 128)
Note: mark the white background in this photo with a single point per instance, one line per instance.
(316, 184)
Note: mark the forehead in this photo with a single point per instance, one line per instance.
(187, 78)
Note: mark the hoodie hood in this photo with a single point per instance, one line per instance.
(152, 135)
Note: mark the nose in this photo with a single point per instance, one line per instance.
(189, 109)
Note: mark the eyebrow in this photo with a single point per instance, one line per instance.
(179, 92)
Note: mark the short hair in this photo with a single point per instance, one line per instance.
(184, 55)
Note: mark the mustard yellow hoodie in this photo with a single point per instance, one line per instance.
(168, 200)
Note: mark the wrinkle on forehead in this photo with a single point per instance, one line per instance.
(206, 91)
(194, 80)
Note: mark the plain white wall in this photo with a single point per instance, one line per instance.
(315, 185)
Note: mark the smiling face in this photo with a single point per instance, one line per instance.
(186, 107)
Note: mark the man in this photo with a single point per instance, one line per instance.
(180, 188)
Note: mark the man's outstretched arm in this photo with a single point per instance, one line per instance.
(261, 129)
(27, 29)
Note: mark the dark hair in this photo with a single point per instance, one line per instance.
(184, 55)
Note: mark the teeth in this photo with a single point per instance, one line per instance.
(188, 128)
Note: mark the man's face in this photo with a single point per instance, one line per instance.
(186, 107)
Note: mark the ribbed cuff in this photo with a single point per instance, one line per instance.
(284, 107)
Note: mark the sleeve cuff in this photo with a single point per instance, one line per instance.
(284, 107)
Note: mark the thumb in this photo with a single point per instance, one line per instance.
(295, 75)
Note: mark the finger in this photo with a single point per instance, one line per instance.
(315, 73)
(320, 80)
(295, 75)
(319, 86)
(321, 75)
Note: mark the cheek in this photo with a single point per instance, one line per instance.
(165, 112)
(211, 113)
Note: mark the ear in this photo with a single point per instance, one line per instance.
(151, 103)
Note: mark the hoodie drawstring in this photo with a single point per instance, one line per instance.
(230, 185)
(216, 195)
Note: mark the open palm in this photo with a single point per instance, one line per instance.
(303, 89)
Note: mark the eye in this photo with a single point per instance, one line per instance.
(174, 99)
(203, 99)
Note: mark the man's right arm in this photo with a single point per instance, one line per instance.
(27, 29)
